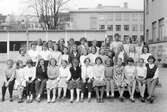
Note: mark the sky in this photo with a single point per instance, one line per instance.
(19, 7)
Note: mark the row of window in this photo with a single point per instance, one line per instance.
(158, 31)
(134, 27)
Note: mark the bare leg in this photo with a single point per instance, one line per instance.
(72, 95)
(48, 95)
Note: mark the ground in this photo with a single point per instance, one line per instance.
(108, 106)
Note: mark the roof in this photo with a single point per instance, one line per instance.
(105, 9)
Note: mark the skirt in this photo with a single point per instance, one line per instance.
(51, 84)
(62, 83)
(99, 83)
(75, 84)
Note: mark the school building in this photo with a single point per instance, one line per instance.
(156, 28)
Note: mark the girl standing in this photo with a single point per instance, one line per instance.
(56, 54)
(93, 55)
(141, 72)
(74, 54)
(52, 83)
(109, 77)
(119, 78)
(83, 57)
(130, 75)
(65, 55)
(145, 53)
(9, 80)
(87, 74)
(63, 78)
(75, 80)
(98, 76)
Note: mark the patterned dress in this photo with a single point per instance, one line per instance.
(119, 76)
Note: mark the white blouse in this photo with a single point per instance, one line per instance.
(33, 54)
(130, 71)
(29, 72)
(46, 55)
(82, 59)
(64, 73)
(57, 55)
(145, 57)
(86, 72)
(98, 72)
(92, 58)
(141, 71)
(65, 57)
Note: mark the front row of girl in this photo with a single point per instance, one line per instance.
(99, 77)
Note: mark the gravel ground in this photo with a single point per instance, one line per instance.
(108, 106)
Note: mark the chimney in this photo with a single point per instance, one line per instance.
(99, 6)
(125, 4)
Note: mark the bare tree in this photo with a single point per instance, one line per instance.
(48, 12)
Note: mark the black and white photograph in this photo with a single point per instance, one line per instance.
(83, 56)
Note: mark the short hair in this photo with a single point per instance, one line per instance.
(51, 60)
(130, 60)
(22, 49)
(98, 58)
(151, 57)
(75, 60)
(10, 60)
(93, 47)
(117, 34)
(86, 59)
(29, 61)
(83, 39)
(111, 61)
(145, 46)
(141, 59)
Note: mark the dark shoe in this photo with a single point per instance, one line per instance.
(20, 101)
(82, 100)
(132, 100)
(31, 100)
(151, 100)
(101, 100)
(11, 100)
(121, 99)
(98, 100)
(3, 99)
(142, 99)
(38, 100)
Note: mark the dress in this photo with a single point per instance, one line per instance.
(53, 73)
(119, 76)
(63, 77)
(20, 79)
(98, 75)
(130, 72)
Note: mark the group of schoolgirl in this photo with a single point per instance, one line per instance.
(79, 68)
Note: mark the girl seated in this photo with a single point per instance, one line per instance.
(109, 77)
(30, 73)
(9, 80)
(20, 82)
(41, 78)
(141, 72)
(130, 74)
(75, 80)
(63, 78)
(151, 77)
(87, 74)
(119, 78)
(98, 76)
(52, 83)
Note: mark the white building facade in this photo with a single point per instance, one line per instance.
(114, 19)
(156, 28)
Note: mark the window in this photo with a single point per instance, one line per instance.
(134, 27)
(110, 27)
(134, 17)
(110, 18)
(161, 31)
(118, 27)
(126, 27)
(154, 31)
(147, 7)
(102, 27)
(118, 17)
(126, 17)
(141, 27)
(93, 22)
